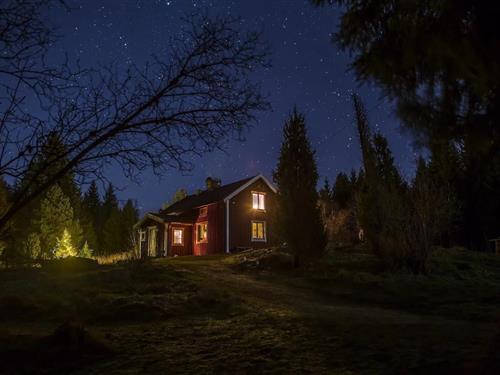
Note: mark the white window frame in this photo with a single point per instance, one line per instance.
(264, 229)
(142, 235)
(173, 237)
(260, 197)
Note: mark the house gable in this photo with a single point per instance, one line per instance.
(241, 215)
(249, 183)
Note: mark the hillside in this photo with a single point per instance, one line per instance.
(212, 314)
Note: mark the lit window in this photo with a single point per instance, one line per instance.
(178, 238)
(203, 211)
(201, 232)
(259, 231)
(142, 235)
(258, 201)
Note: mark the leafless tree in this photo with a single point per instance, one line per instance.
(180, 104)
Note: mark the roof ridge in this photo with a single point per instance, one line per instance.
(206, 194)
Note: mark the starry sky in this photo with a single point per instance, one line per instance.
(308, 71)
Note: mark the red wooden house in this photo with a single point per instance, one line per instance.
(220, 219)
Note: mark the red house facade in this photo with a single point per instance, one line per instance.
(220, 219)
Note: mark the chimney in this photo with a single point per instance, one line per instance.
(212, 183)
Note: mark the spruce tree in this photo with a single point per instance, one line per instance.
(110, 202)
(64, 247)
(342, 191)
(129, 216)
(91, 220)
(109, 222)
(31, 247)
(296, 176)
(55, 217)
(85, 251)
(112, 237)
(180, 194)
(28, 219)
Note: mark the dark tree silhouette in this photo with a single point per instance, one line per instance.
(299, 220)
(181, 104)
(440, 62)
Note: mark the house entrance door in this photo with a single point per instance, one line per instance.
(152, 241)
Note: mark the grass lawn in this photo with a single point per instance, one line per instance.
(209, 315)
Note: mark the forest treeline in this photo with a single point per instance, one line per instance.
(439, 63)
(64, 221)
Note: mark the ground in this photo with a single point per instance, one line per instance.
(216, 315)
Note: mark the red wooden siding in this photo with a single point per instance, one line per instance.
(186, 248)
(215, 231)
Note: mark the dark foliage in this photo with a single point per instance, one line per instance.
(299, 221)
(440, 62)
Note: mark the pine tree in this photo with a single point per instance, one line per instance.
(299, 221)
(55, 217)
(325, 192)
(85, 251)
(64, 247)
(110, 202)
(109, 222)
(129, 216)
(31, 247)
(112, 238)
(28, 219)
(343, 191)
(91, 220)
(179, 195)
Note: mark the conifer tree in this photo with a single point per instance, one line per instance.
(85, 251)
(28, 219)
(64, 247)
(112, 237)
(110, 202)
(91, 220)
(32, 248)
(55, 217)
(342, 191)
(109, 222)
(129, 216)
(296, 176)
(179, 194)
(325, 192)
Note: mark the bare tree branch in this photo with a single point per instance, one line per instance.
(177, 106)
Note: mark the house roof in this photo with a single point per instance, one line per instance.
(179, 211)
(203, 198)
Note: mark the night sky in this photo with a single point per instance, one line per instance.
(308, 71)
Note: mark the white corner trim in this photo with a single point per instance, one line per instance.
(227, 225)
(243, 187)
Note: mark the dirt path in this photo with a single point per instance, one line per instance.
(270, 297)
(247, 323)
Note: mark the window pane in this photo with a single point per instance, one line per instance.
(255, 200)
(178, 236)
(261, 201)
(258, 230)
(201, 232)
